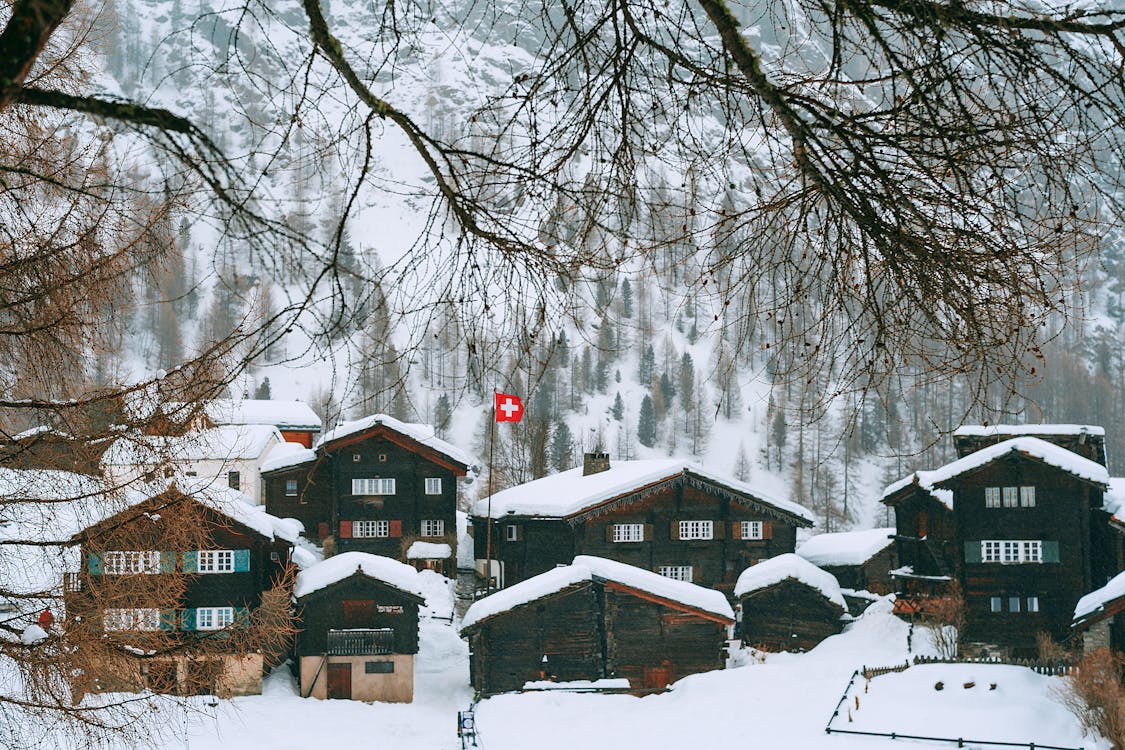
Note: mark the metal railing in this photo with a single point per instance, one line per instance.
(361, 642)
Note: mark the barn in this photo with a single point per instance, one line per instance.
(788, 604)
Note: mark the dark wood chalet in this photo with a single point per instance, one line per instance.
(374, 485)
(1087, 441)
(593, 620)
(858, 560)
(1099, 617)
(358, 615)
(668, 516)
(1015, 532)
(788, 604)
(183, 575)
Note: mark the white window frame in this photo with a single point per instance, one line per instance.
(511, 533)
(992, 497)
(131, 562)
(433, 485)
(291, 488)
(214, 561)
(213, 618)
(364, 486)
(368, 529)
(1010, 497)
(676, 572)
(1027, 497)
(1032, 604)
(990, 551)
(697, 530)
(752, 530)
(1011, 551)
(628, 532)
(432, 527)
(140, 619)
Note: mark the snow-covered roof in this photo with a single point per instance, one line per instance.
(286, 455)
(422, 433)
(1048, 453)
(231, 442)
(338, 567)
(976, 430)
(569, 492)
(429, 551)
(286, 415)
(587, 568)
(777, 569)
(1113, 501)
(1091, 603)
(40, 430)
(846, 547)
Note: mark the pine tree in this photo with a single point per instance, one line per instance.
(626, 299)
(263, 390)
(646, 424)
(647, 363)
(742, 464)
(443, 414)
(618, 409)
(687, 381)
(562, 447)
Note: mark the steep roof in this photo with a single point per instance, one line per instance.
(228, 443)
(1098, 603)
(339, 567)
(846, 547)
(588, 568)
(975, 430)
(285, 415)
(789, 566)
(420, 433)
(569, 493)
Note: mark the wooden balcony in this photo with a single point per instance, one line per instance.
(361, 642)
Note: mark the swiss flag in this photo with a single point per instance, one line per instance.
(509, 408)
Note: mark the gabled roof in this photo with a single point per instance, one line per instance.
(415, 434)
(288, 455)
(1100, 603)
(586, 568)
(1015, 430)
(1030, 447)
(570, 494)
(343, 566)
(285, 415)
(228, 443)
(773, 571)
(846, 547)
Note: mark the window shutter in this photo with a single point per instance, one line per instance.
(717, 529)
(94, 563)
(736, 529)
(395, 529)
(167, 562)
(695, 574)
(767, 529)
(972, 552)
(242, 561)
(519, 533)
(1050, 551)
(167, 619)
(187, 621)
(675, 531)
(609, 532)
(648, 532)
(191, 561)
(345, 529)
(322, 530)
(241, 617)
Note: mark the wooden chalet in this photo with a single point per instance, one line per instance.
(374, 485)
(1016, 533)
(594, 620)
(1098, 617)
(1087, 441)
(788, 604)
(358, 616)
(668, 516)
(182, 573)
(858, 560)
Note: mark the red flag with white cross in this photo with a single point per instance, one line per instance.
(509, 408)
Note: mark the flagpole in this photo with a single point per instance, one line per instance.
(488, 537)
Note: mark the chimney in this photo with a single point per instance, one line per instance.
(594, 463)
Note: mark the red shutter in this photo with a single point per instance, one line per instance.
(345, 529)
(675, 531)
(609, 532)
(648, 532)
(736, 529)
(767, 529)
(322, 530)
(395, 529)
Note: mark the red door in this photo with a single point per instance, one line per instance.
(659, 677)
(340, 681)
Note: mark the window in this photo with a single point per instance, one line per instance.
(751, 529)
(127, 563)
(373, 486)
(378, 667)
(675, 572)
(290, 487)
(1033, 604)
(371, 528)
(1013, 604)
(216, 561)
(213, 618)
(1011, 551)
(992, 497)
(357, 457)
(990, 551)
(697, 530)
(1027, 497)
(432, 527)
(995, 604)
(234, 480)
(511, 533)
(1009, 497)
(131, 619)
(1032, 552)
(433, 485)
(382, 458)
(628, 532)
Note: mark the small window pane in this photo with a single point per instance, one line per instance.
(1009, 495)
(675, 572)
(1027, 497)
(433, 485)
(628, 532)
(1033, 604)
(995, 604)
(432, 527)
(1013, 604)
(512, 533)
(992, 497)
(751, 529)
(371, 528)
(697, 530)
(234, 480)
(373, 486)
(290, 487)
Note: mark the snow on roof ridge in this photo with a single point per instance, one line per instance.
(789, 565)
(585, 568)
(1028, 429)
(1098, 598)
(227, 442)
(846, 547)
(338, 567)
(423, 433)
(292, 413)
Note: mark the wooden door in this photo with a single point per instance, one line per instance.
(359, 613)
(340, 681)
(659, 677)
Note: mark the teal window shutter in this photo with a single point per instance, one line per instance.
(94, 563)
(167, 562)
(1050, 551)
(187, 622)
(167, 619)
(242, 561)
(241, 617)
(191, 561)
(972, 552)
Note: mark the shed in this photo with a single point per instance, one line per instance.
(859, 560)
(789, 604)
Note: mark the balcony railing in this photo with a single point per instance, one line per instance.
(361, 642)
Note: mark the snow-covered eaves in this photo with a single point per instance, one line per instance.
(286, 456)
(339, 567)
(846, 547)
(570, 493)
(285, 415)
(421, 433)
(587, 568)
(1097, 604)
(1032, 447)
(228, 443)
(907, 571)
(1113, 502)
(785, 567)
(1016, 430)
